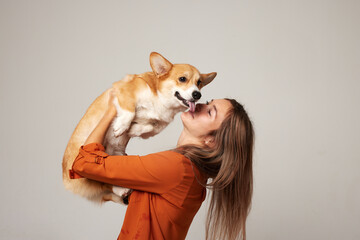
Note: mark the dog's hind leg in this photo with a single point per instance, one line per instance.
(112, 197)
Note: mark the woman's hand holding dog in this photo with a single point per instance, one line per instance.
(111, 110)
(98, 134)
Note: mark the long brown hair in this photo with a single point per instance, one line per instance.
(229, 166)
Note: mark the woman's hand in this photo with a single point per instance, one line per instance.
(112, 97)
(98, 134)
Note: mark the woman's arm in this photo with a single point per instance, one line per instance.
(158, 172)
(152, 173)
(98, 134)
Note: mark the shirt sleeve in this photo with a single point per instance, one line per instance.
(157, 173)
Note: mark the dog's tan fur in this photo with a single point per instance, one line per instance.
(135, 91)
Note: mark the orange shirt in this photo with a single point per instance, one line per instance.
(167, 194)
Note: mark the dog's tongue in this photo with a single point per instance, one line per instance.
(192, 106)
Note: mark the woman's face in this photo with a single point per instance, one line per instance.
(206, 118)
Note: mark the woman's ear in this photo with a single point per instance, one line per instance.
(209, 141)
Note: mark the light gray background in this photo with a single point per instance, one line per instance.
(293, 64)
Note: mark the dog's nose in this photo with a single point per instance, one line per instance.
(196, 95)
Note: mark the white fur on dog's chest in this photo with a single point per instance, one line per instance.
(153, 113)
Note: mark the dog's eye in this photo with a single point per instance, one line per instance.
(198, 82)
(182, 79)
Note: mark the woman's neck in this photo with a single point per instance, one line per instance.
(187, 139)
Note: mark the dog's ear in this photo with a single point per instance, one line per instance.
(159, 64)
(207, 78)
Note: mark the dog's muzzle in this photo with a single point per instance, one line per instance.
(183, 100)
(187, 103)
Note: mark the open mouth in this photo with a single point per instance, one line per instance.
(189, 104)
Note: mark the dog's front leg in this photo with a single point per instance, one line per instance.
(122, 123)
(122, 120)
(115, 145)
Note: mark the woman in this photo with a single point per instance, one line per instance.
(216, 143)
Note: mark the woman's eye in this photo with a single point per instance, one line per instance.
(209, 111)
(182, 79)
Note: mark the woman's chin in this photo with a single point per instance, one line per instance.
(187, 114)
(186, 117)
(183, 116)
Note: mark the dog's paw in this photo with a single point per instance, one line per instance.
(119, 131)
(138, 130)
(120, 191)
(119, 127)
(122, 121)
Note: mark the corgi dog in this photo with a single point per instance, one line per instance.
(146, 103)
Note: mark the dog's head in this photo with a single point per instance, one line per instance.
(180, 84)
